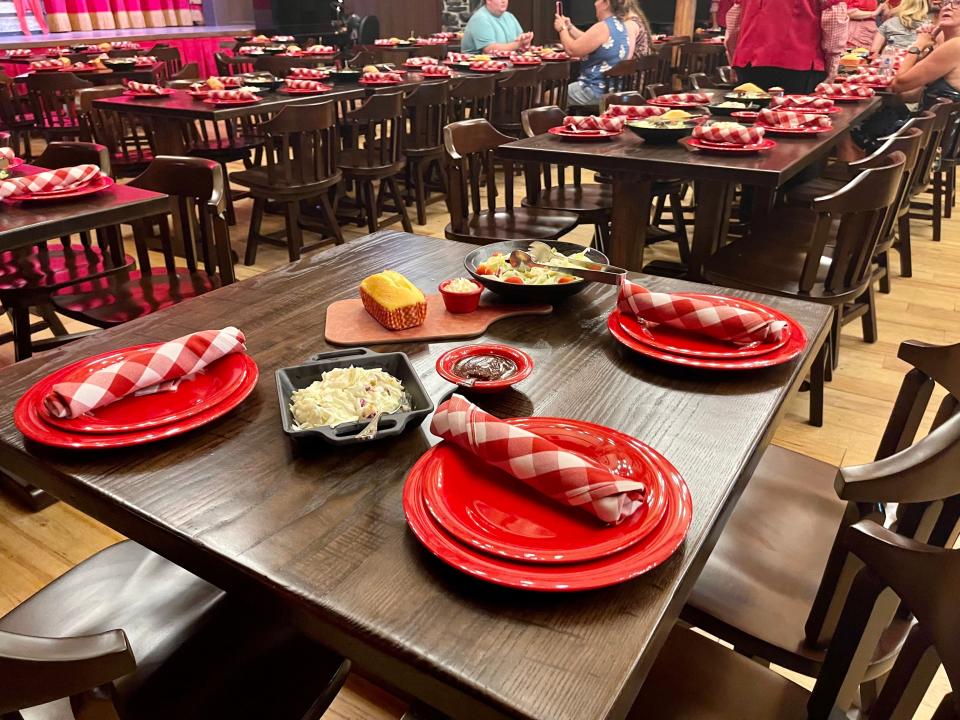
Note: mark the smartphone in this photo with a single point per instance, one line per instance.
(559, 7)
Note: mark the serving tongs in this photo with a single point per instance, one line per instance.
(541, 255)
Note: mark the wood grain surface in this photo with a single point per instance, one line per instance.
(322, 532)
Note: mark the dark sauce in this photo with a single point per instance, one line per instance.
(485, 367)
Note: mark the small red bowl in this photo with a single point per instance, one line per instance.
(458, 302)
(450, 358)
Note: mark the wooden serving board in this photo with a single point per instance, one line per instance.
(348, 323)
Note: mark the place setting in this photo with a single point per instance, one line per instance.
(55, 185)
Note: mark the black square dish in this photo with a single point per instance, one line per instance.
(397, 364)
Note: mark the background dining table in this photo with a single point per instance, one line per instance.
(635, 164)
(318, 533)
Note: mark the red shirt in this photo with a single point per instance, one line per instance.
(722, 7)
(781, 33)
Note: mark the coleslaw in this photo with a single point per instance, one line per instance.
(345, 395)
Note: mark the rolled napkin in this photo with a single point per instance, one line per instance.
(228, 81)
(701, 316)
(555, 56)
(593, 122)
(697, 98)
(309, 73)
(144, 60)
(302, 84)
(149, 368)
(559, 474)
(236, 94)
(431, 41)
(455, 57)
(828, 89)
(81, 67)
(792, 119)
(61, 179)
(489, 65)
(384, 77)
(21, 52)
(801, 101)
(435, 70)
(7, 153)
(387, 41)
(250, 50)
(869, 79)
(421, 61)
(145, 88)
(732, 133)
(46, 64)
(517, 58)
(634, 112)
(282, 38)
(320, 50)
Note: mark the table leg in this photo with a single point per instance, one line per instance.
(168, 136)
(531, 176)
(631, 216)
(714, 198)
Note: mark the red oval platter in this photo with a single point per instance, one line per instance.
(635, 560)
(222, 101)
(764, 144)
(775, 130)
(94, 186)
(584, 134)
(148, 96)
(500, 515)
(450, 358)
(305, 91)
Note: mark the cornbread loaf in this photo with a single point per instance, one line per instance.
(393, 301)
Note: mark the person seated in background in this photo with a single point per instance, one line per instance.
(718, 13)
(862, 25)
(900, 31)
(492, 27)
(636, 16)
(607, 42)
(795, 55)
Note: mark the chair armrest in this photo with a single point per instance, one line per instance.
(38, 670)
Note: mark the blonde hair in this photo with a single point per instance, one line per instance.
(632, 11)
(912, 13)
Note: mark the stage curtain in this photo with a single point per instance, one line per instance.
(80, 15)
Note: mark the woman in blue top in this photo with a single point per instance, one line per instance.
(606, 43)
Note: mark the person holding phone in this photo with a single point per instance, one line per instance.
(492, 27)
(607, 42)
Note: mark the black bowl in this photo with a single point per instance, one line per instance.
(345, 76)
(661, 136)
(528, 293)
(120, 63)
(265, 82)
(243, 38)
(728, 111)
(79, 48)
(274, 49)
(761, 101)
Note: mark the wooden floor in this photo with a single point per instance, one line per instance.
(35, 548)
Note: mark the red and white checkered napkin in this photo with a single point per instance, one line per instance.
(421, 61)
(801, 102)
(698, 98)
(303, 84)
(436, 70)
(384, 77)
(555, 56)
(250, 50)
(385, 41)
(455, 57)
(701, 316)
(144, 88)
(869, 79)
(61, 179)
(7, 153)
(559, 474)
(489, 65)
(45, 64)
(792, 119)
(21, 52)
(237, 94)
(320, 50)
(732, 133)
(634, 112)
(594, 122)
(518, 58)
(229, 81)
(144, 60)
(152, 368)
(309, 73)
(431, 41)
(828, 89)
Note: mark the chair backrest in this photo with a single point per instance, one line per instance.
(655, 90)
(909, 141)
(197, 188)
(698, 81)
(554, 83)
(228, 65)
(700, 57)
(53, 97)
(13, 106)
(942, 112)
(369, 30)
(649, 67)
(427, 109)
(60, 154)
(377, 129)
(189, 71)
(632, 97)
(469, 158)
(919, 475)
(301, 144)
(169, 56)
(472, 96)
(537, 121)
(724, 75)
(124, 53)
(516, 92)
(127, 140)
(927, 581)
(365, 57)
(950, 141)
(623, 76)
(664, 75)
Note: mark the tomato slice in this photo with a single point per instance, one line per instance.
(565, 279)
(514, 280)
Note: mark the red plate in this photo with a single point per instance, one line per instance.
(745, 115)
(774, 130)
(847, 98)
(221, 101)
(584, 134)
(211, 387)
(28, 419)
(471, 68)
(198, 94)
(94, 186)
(673, 340)
(526, 62)
(165, 93)
(811, 111)
(362, 81)
(56, 68)
(794, 346)
(303, 91)
(450, 358)
(494, 513)
(436, 74)
(16, 162)
(619, 567)
(674, 104)
(764, 144)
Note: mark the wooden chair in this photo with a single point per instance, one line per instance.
(945, 174)
(516, 92)
(54, 101)
(427, 114)
(725, 77)
(664, 74)
(554, 83)
(591, 203)
(775, 582)
(190, 71)
(947, 116)
(16, 116)
(125, 53)
(230, 65)
(472, 96)
(699, 81)
(695, 677)
(30, 276)
(631, 97)
(129, 143)
(366, 57)
(786, 254)
(129, 635)
(623, 77)
(699, 57)
(301, 165)
(197, 187)
(470, 146)
(280, 66)
(378, 128)
(170, 57)
(655, 90)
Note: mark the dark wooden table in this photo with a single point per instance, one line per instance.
(635, 164)
(321, 532)
(145, 74)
